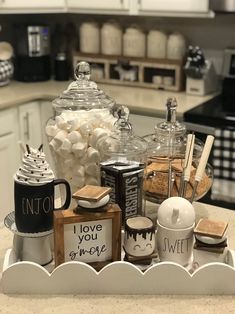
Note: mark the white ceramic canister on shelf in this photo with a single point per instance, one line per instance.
(89, 37)
(111, 38)
(134, 42)
(156, 44)
(176, 46)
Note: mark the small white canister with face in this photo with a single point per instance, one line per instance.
(175, 226)
(139, 240)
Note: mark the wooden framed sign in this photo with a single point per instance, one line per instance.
(88, 236)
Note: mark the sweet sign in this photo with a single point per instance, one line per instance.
(90, 237)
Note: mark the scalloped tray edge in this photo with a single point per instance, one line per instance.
(115, 278)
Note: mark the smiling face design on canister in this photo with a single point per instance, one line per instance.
(139, 236)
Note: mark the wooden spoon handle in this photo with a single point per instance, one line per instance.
(204, 157)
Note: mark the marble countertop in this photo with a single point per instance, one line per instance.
(123, 303)
(139, 100)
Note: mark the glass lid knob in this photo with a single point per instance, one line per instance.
(171, 106)
(122, 113)
(82, 71)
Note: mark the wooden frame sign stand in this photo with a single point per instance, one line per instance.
(93, 237)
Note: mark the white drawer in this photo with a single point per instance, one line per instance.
(8, 120)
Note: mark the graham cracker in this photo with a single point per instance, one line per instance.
(92, 193)
(211, 228)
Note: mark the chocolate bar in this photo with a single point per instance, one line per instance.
(126, 181)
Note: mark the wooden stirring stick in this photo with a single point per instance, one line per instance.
(202, 163)
(188, 162)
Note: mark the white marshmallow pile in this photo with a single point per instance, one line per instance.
(74, 139)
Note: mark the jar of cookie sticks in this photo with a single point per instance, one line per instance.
(177, 162)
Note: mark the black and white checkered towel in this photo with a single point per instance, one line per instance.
(6, 70)
(223, 187)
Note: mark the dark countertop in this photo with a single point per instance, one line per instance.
(211, 113)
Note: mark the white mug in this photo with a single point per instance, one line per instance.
(175, 245)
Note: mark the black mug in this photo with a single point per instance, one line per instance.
(34, 205)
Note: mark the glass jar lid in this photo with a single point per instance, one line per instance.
(122, 144)
(82, 94)
(169, 136)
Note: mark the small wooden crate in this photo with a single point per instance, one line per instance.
(145, 69)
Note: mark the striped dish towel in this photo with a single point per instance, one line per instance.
(223, 162)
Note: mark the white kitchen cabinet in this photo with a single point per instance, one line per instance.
(173, 5)
(9, 159)
(25, 6)
(104, 6)
(143, 125)
(141, 7)
(30, 124)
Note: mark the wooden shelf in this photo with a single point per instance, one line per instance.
(140, 72)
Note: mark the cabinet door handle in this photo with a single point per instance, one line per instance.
(26, 133)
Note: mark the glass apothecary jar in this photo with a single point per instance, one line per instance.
(166, 162)
(83, 115)
(123, 156)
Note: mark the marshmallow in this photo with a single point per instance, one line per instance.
(93, 155)
(87, 204)
(85, 129)
(73, 124)
(60, 137)
(79, 171)
(82, 160)
(65, 148)
(52, 130)
(54, 145)
(78, 181)
(92, 169)
(75, 137)
(79, 149)
(91, 181)
(97, 134)
(61, 122)
(69, 162)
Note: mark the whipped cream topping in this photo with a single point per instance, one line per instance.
(34, 170)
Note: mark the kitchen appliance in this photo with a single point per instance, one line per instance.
(32, 62)
(228, 73)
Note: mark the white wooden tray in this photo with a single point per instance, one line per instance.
(115, 278)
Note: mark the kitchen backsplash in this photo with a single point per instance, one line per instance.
(212, 35)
